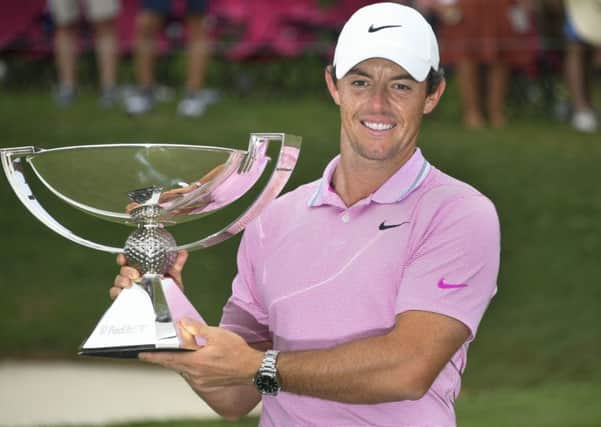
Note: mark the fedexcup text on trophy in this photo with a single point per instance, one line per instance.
(122, 330)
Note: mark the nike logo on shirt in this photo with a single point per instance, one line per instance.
(385, 226)
(443, 285)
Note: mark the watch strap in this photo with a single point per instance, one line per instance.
(267, 379)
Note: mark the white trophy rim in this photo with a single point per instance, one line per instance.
(129, 145)
(286, 160)
(123, 218)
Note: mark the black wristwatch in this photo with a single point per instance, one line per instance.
(267, 379)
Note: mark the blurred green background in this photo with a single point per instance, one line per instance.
(536, 360)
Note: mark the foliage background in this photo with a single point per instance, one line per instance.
(536, 359)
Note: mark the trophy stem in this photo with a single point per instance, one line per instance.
(151, 283)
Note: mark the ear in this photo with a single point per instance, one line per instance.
(433, 99)
(332, 88)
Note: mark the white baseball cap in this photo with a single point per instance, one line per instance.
(390, 31)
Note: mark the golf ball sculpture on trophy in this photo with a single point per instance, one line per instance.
(151, 187)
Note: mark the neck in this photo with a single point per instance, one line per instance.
(356, 178)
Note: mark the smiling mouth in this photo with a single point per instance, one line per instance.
(378, 126)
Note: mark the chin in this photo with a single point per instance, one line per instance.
(376, 155)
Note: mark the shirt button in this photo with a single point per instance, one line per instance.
(346, 218)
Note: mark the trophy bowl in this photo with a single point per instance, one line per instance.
(151, 187)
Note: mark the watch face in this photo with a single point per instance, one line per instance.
(267, 384)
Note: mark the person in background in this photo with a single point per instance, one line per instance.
(583, 35)
(148, 23)
(101, 13)
(477, 33)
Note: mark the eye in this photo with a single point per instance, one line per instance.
(359, 83)
(401, 87)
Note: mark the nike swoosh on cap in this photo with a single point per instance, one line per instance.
(373, 29)
(443, 285)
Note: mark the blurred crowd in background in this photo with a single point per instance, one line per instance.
(483, 42)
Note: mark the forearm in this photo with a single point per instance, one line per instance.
(231, 402)
(371, 370)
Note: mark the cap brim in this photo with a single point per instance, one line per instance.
(416, 67)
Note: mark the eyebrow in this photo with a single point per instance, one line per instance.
(404, 76)
(358, 72)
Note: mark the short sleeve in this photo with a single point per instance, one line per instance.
(243, 313)
(453, 268)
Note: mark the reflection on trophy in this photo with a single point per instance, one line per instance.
(150, 186)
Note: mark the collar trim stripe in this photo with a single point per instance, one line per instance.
(388, 192)
(423, 173)
(315, 195)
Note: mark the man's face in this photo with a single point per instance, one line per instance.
(381, 109)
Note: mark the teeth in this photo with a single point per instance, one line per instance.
(378, 126)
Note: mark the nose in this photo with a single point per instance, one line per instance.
(379, 101)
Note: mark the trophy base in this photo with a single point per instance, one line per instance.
(143, 318)
(126, 352)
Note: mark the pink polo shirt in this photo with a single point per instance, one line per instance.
(313, 274)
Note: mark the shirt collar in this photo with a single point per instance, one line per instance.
(404, 181)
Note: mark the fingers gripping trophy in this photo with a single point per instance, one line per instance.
(151, 187)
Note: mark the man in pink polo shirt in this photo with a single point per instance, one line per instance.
(366, 286)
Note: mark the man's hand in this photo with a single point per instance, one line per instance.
(128, 275)
(225, 360)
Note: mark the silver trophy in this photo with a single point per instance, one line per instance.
(151, 187)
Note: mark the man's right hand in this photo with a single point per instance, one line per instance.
(128, 275)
